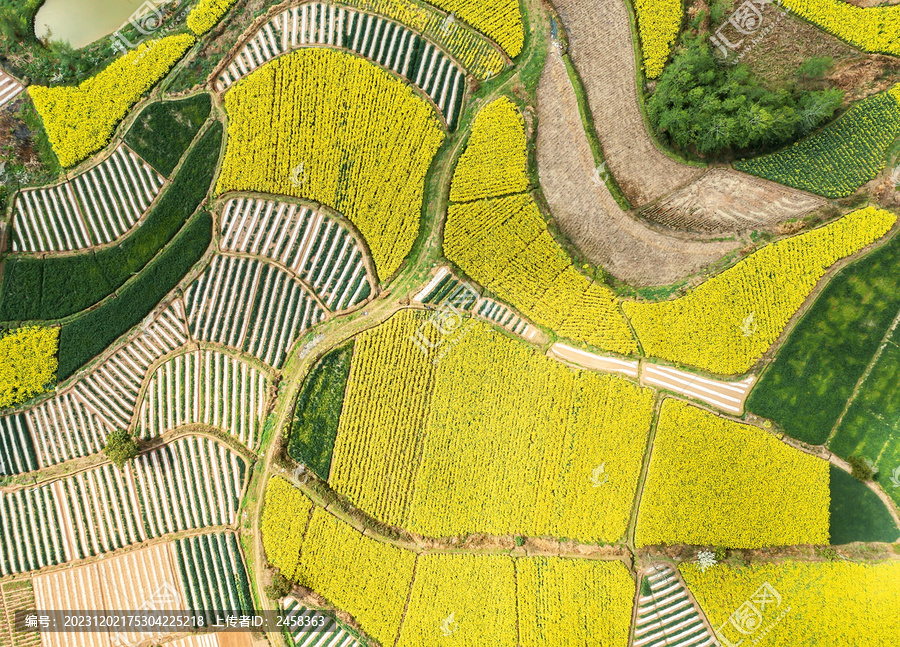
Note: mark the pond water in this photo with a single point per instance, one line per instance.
(81, 22)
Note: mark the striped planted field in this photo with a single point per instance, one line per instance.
(30, 530)
(205, 387)
(75, 422)
(303, 634)
(94, 208)
(666, 616)
(213, 574)
(317, 248)
(247, 304)
(9, 88)
(191, 483)
(383, 41)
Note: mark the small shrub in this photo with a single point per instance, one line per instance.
(861, 468)
(279, 588)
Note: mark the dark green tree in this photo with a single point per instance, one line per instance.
(120, 448)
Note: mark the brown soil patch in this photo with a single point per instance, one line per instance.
(234, 639)
(600, 44)
(583, 207)
(777, 55)
(724, 200)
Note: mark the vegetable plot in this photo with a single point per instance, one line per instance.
(205, 387)
(250, 305)
(94, 208)
(317, 248)
(213, 574)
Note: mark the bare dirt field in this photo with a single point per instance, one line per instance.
(583, 207)
(724, 200)
(600, 45)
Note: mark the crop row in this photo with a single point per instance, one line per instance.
(205, 387)
(500, 20)
(9, 88)
(30, 532)
(386, 42)
(308, 633)
(717, 482)
(58, 286)
(317, 248)
(478, 55)
(666, 617)
(872, 29)
(250, 305)
(349, 135)
(76, 422)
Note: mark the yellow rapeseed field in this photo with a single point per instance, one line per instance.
(492, 437)
(500, 20)
(873, 29)
(334, 128)
(368, 579)
(27, 363)
(495, 161)
(81, 119)
(725, 324)
(801, 604)
(206, 14)
(658, 24)
(467, 599)
(285, 515)
(714, 481)
(573, 602)
(503, 244)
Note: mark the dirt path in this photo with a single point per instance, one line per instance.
(585, 210)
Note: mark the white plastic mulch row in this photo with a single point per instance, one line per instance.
(328, 634)
(315, 247)
(250, 305)
(76, 422)
(667, 617)
(205, 387)
(10, 88)
(96, 207)
(383, 41)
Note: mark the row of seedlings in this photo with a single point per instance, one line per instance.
(193, 482)
(383, 41)
(250, 305)
(76, 422)
(103, 510)
(213, 574)
(205, 387)
(317, 248)
(94, 208)
(30, 535)
(312, 633)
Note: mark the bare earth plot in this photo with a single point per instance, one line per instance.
(585, 210)
(724, 200)
(601, 47)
